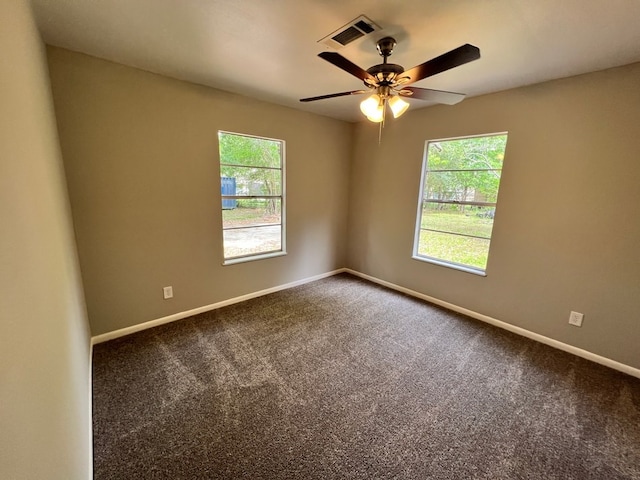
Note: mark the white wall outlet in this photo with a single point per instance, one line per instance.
(576, 319)
(167, 292)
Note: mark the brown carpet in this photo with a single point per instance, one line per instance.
(343, 379)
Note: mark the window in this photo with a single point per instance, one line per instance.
(252, 191)
(458, 196)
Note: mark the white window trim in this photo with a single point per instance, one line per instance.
(256, 256)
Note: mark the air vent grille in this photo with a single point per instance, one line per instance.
(364, 26)
(352, 31)
(347, 36)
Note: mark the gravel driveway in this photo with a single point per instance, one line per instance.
(245, 241)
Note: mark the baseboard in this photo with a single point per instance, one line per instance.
(506, 326)
(470, 313)
(90, 440)
(189, 313)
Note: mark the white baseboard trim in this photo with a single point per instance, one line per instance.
(90, 439)
(635, 372)
(506, 326)
(189, 313)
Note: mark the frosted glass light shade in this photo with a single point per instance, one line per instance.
(398, 106)
(369, 106)
(378, 115)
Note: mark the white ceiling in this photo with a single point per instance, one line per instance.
(267, 49)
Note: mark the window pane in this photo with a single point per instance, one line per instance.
(461, 177)
(467, 153)
(254, 181)
(253, 212)
(470, 186)
(454, 248)
(251, 151)
(464, 219)
(252, 188)
(252, 240)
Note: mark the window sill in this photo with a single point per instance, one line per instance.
(455, 266)
(251, 258)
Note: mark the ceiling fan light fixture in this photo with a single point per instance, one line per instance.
(398, 106)
(377, 117)
(371, 106)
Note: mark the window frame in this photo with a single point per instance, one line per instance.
(421, 202)
(282, 198)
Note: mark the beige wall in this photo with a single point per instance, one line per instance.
(567, 228)
(141, 158)
(45, 424)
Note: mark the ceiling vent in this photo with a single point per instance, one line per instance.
(352, 31)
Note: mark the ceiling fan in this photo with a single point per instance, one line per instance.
(388, 81)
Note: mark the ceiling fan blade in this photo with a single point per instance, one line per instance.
(456, 57)
(346, 65)
(333, 95)
(437, 96)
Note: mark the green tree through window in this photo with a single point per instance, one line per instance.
(252, 169)
(458, 199)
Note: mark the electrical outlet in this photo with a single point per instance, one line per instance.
(576, 319)
(167, 292)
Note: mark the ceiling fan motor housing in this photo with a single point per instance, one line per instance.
(384, 74)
